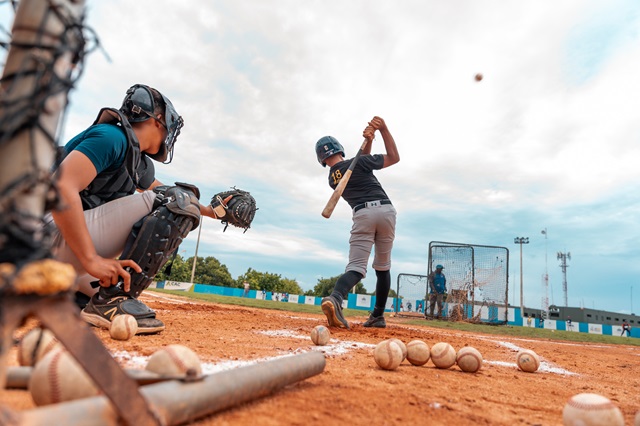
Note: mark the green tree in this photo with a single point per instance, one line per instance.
(268, 282)
(324, 287)
(210, 271)
(176, 269)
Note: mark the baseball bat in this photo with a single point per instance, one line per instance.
(337, 193)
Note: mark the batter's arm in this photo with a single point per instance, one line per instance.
(392, 156)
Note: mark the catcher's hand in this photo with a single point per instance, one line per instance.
(234, 207)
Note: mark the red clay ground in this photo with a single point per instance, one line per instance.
(353, 390)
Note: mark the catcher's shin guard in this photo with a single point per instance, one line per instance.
(158, 235)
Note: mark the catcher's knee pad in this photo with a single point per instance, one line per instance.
(158, 235)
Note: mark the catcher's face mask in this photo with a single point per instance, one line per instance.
(139, 105)
(173, 124)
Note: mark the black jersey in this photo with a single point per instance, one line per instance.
(363, 185)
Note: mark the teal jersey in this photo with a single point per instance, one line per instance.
(104, 144)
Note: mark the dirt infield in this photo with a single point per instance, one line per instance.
(353, 390)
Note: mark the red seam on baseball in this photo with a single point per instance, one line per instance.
(387, 346)
(441, 354)
(52, 374)
(591, 406)
(175, 358)
(52, 343)
(474, 355)
(128, 328)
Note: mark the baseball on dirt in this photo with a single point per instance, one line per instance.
(123, 327)
(443, 355)
(418, 352)
(320, 335)
(528, 360)
(388, 355)
(174, 360)
(469, 359)
(402, 346)
(590, 409)
(34, 345)
(57, 377)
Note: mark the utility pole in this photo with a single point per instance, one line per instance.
(521, 241)
(563, 257)
(195, 256)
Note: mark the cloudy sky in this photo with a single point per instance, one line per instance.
(549, 139)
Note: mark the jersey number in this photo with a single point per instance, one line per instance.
(336, 176)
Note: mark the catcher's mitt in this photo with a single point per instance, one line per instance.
(234, 207)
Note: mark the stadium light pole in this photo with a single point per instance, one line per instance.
(563, 257)
(521, 241)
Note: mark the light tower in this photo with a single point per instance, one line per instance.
(545, 278)
(563, 257)
(521, 241)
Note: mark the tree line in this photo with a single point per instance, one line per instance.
(209, 271)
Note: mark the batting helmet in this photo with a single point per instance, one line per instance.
(140, 104)
(326, 147)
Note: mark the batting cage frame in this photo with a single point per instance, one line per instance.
(477, 282)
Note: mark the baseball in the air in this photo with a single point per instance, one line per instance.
(174, 360)
(34, 345)
(320, 335)
(388, 355)
(478, 77)
(402, 346)
(443, 355)
(418, 352)
(528, 360)
(123, 327)
(590, 409)
(469, 359)
(57, 377)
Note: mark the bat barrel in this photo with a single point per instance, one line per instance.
(175, 402)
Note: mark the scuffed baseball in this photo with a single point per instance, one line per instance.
(123, 327)
(469, 359)
(402, 346)
(174, 360)
(320, 335)
(34, 345)
(443, 355)
(528, 360)
(418, 352)
(388, 355)
(57, 377)
(590, 409)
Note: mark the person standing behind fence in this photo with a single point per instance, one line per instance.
(437, 290)
(626, 328)
(247, 286)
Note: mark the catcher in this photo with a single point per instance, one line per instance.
(115, 223)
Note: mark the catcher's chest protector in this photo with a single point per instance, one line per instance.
(158, 235)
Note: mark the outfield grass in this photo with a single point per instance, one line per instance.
(503, 330)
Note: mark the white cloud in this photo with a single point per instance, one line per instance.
(548, 138)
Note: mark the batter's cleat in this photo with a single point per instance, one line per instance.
(375, 322)
(100, 313)
(333, 312)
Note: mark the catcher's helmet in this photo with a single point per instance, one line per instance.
(326, 147)
(139, 105)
